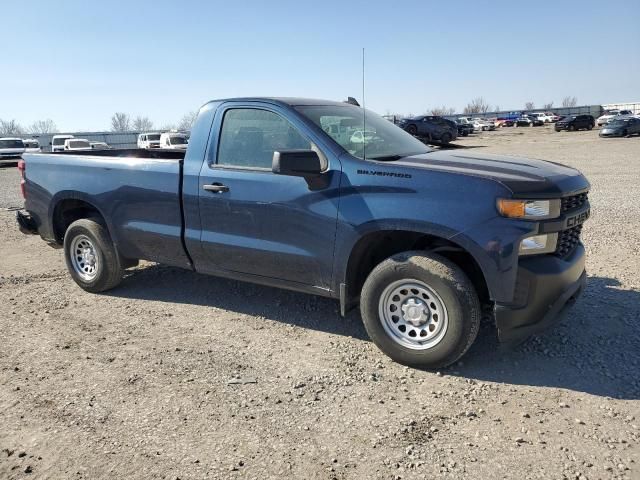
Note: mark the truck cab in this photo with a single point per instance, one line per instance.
(11, 147)
(149, 140)
(57, 142)
(76, 144)
(174, 140)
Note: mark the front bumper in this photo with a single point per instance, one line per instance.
(545, 286)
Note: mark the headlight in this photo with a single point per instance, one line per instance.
(529, 209)
(538, 244)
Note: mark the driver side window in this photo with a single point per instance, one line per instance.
(249, 136)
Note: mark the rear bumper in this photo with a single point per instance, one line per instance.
(26, 224)
(545, 287)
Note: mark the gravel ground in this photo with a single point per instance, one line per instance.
(178, 375)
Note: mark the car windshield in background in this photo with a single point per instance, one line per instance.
(153, 137)
(178, 141)
(345, 125)
(58, 141)
(11, 144)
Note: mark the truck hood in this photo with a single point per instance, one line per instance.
(523, 176)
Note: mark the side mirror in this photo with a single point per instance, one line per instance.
(296, 163)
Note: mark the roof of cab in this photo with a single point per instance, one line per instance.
(286, 101)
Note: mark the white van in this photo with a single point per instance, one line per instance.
(77, 144)
(31, 145)
(174, 140)
(57, 142)
(149, 140)
(11, 147)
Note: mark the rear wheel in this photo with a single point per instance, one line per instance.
(445, 139)
(412, 129)
(589, 127)
(420, 309)
(91, 257)
(571, 128)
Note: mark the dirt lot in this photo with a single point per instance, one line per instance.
(178, 375)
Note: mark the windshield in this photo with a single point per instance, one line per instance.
(153, 138)
(345, 124)
(617, 123)
(31, 143)
(11, 143)
(178, 140)
(59, 141)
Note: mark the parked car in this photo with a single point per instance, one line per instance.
(57, 142)
(621, 127)
(174, 140)
(575, 122)
(524, 121)
(99, 146)
(483, 124)
(266, 194)
(31, 145)
(431, 128)
(542, 117)
(505, 122)
(555, 117)
(149, 140)
(11, 147)
(76, 144)
(610, 115)
(534, 121)
(464, 129)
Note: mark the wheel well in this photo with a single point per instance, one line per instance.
(68, 211)
(378, 246)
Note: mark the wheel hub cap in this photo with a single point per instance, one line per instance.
(413, 314)
(84, 258)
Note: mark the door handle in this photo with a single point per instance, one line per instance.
(216, 188)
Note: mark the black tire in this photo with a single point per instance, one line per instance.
(412, 129)
(571, 128)
(445, 138)
(455, 291)
(589, 127)
(109, 265)
(625, 133)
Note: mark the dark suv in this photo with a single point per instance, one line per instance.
(575, 122)
(431, 128)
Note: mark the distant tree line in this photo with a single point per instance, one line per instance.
(11, 128)
(122, 122)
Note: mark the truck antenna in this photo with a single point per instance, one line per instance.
(364, 115)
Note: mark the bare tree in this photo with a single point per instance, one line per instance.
(477, 105)
(529, 106)
(142, 124)
(569, 101)
(10, 128)
(42, 126)
(120, 122)
(187, 121)
(443, 110)
(548, 106)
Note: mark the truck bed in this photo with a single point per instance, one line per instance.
(137, 192)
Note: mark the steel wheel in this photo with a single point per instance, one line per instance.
(84, 258)
(413, 314)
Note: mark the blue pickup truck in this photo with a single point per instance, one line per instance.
(324, 198)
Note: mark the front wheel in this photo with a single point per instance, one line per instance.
(445, 139)
(420, 309)
(91, 257)
(589, 127)
(412, 130)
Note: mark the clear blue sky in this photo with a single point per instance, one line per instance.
(79, 62)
